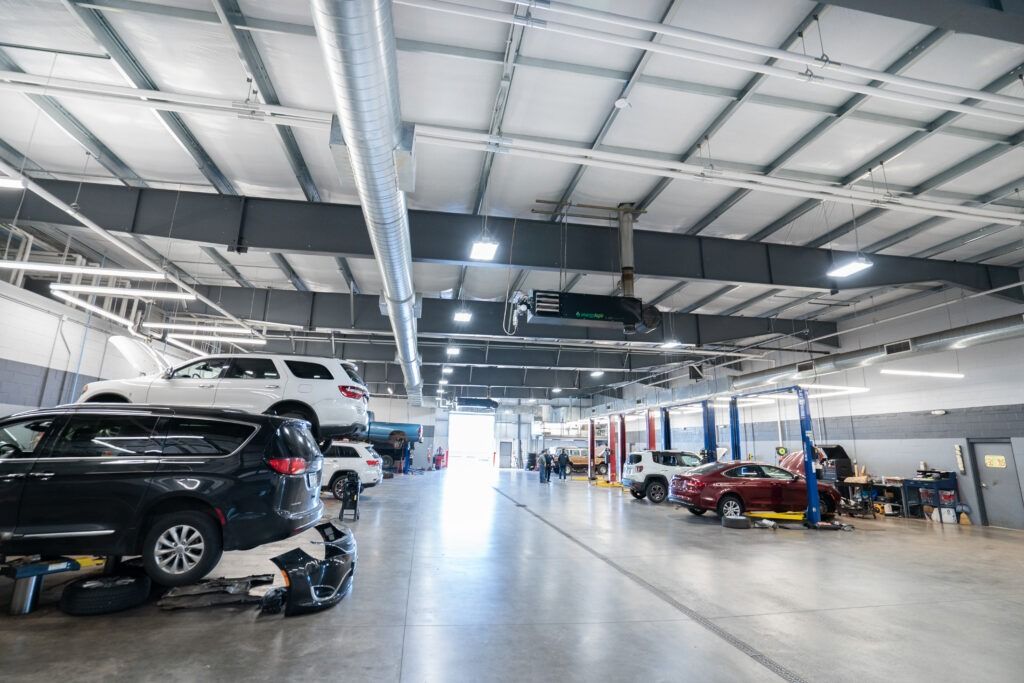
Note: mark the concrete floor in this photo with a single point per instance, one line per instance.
(473, 575)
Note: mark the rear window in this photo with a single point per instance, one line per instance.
(193, 436)
(706, 469)
(353, 373)
(635, 458)
(252, 368)
(298, 440)
(306, 370)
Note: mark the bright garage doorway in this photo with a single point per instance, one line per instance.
(470, 437)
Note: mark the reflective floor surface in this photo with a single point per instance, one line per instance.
(476, 575)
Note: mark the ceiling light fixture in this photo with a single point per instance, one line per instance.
(556, 390)
(673, 344)
(82, 270)
(922, 373)
(483, 250)
(453, 350)
(447, 371)
(103, 313)
(390, 390)
(185, 347)
(11, 184)
(182, 327)
(124, 292)
(597, 373)
(462, 316)
(442, 381)
(850, 267)
(244, 341)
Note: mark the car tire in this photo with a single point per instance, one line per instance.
(697, 511)
(736, 522)
(338, 485)
(827, 507)
(91, 595)
(656, 491)
(387, 462)
(730, 506)
(166, 553)
(639, 495)
(602, 469)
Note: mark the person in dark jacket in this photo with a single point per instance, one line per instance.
(563, 463)
(542, 467)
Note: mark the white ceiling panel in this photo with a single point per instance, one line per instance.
(662, 120)
(988, 59)
(758, 134)
(845, 146)
(609, 187)
(933, 236)
(447, 92)
(516, 183)
(320, 273)
(296, 68)
(27, 129)
(559, 105)
(972, 250)
(489, 284)
(43, 23)
(929, 158)
(1005, 169)
(682, 203)
(71, 67)
(433, 278)
(446, 179)
(594, 283)
(367, 274)
(335, 184)
(414, 23)
(755, 211)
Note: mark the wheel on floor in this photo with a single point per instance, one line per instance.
(639, 495)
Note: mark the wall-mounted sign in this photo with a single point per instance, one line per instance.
(958, 449)
(995, 461)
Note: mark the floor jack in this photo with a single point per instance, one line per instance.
(28, 574)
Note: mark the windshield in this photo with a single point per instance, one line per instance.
(688, 459)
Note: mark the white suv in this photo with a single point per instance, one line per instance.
(648, 473)
(326, 392)
(350, 456)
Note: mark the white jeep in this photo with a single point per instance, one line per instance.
(648, 473)
(326, 392)
(342, 457)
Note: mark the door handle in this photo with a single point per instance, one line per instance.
(271, 386)
(41, 475)
(13, 476)
(984, 486)
(205, 386)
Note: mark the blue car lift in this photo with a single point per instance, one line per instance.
(806, 436)
(708, 422)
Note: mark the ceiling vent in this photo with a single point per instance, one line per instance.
(806, 366)
(696, 373)
(898, 347)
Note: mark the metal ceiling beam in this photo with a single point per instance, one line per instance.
(442, 238)
(745, 95)
(669, 292)
(330, 310)
(508, 69)
(495, 57)
(940, 124)
(789, 304)
(226, 266)
(961, 240)
(162, 259)
(1000, 251)
(17, 159)
(704, 301)
(460, 284)
(289, 272)
(916, 296)
(733, 310)
(627, 90)
(346, 272)
(1000, 20)
(905, 60)
(78, 132)
(229, 12)
(130, 67)
(573, 281)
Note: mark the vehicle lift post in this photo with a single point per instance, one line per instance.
(591, 448)
(666, 430)
(652, 430)
(734, 427)
(707, 410)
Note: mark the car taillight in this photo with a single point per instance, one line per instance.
(351, 392)
(639, 468)
(373, 463)
(695, 484)
(287, 465)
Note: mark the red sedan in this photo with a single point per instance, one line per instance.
(734, 487)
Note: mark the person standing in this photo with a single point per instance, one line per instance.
(563, 463)
(542, 466)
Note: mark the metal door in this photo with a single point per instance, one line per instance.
(505, 454)
(1000, 484)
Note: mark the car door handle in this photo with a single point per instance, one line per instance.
(41, 475)
(205, 386)
(13, 476)
(271, 386)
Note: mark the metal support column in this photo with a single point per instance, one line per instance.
(622, 451)
(652, 429)
(807, 437)
(710, 434)
(666, 429)
(613, 448)
(734, 427)
(592, 448)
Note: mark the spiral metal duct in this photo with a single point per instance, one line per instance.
(358, 43)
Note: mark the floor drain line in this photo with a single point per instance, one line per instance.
(708, 624)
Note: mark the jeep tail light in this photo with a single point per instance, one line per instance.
(639, 468)
(351, 392)
(287, 465)
(373, 463)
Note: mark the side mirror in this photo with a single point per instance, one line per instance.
(167, 373)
